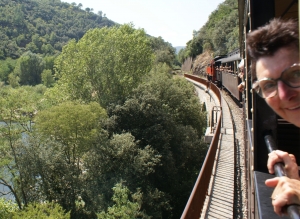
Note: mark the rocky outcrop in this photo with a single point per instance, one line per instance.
(201, 62)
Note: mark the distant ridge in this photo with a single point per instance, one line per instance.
(178, 48)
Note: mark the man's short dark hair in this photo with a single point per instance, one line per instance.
(266, 40)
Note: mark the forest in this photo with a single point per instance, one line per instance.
(97, 125)
(94, 123)
(43, 26)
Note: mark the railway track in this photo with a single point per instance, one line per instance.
(226, 195)
(240, 195)
(228, 177)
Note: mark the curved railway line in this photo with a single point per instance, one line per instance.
(226, 192)
(237, 114)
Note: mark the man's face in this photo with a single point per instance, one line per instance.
(286, 103)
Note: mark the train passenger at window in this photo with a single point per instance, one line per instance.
(241, 68)
(274, 49)
(241, 86)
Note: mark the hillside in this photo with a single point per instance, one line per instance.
(33, 33)
(219, 34)
(43, 26)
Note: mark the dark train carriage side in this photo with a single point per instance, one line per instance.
(230, 75)
(223, 71)
(259, 116)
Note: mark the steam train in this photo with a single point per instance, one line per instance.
(224, 71)
(258, 116)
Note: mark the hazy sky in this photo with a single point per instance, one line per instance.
(173, 20)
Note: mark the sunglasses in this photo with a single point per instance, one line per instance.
(267, 87)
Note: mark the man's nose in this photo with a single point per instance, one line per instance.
(284, 91)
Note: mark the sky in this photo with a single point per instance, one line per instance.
(173, 20)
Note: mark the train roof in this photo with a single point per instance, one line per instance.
(219, 57)
(230, 58)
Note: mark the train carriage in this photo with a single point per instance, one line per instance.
(223, 71)
(259, 116)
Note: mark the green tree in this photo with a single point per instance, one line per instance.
(83, 185)
(17, 107)
(32, 47)
(164, 51)
(194, 47)
(225, 34)
(13, 80)
(47, 78)
(47, 49)
(115, 159)
(52, 157)
(36, 40)
(74, 125)
(53, 38)
(21, 40)
(18, 15)
(123, 207)
(44, 164)
(6, 67)
(7, 208)
(29, 68)
(164, 113)
(49, 62)
(106, 63)
(42, 211)
(182, 55)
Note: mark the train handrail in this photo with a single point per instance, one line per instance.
(197, 198)
(292, 210)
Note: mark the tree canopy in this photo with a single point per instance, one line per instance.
(76, 152)
(105, 65)
(164, 113)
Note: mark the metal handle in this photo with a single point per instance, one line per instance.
(271, 145)
(292, 210)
